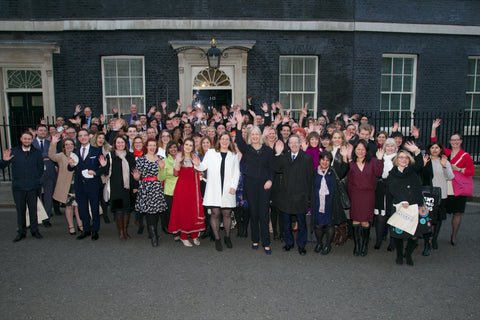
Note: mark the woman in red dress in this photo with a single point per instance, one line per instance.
(187, 215)
(361, 189)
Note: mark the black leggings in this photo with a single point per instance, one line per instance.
(328, 230)
(215, 221)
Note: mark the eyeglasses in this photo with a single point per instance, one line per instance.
(403, 158)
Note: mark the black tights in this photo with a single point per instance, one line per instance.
(215, 221)
(327, 229)
(380, 222)
(152, 219)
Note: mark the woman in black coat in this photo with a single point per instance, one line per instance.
(405, 187)
(122, 184)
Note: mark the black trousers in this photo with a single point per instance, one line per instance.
(22, 200)
(258, 202)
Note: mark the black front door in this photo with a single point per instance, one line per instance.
(26, 110)
(214, 98)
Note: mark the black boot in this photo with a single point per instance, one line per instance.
(365, 238)
(399, 247)
(436, 231)
(357, 238)
(427, 246)
(152, 232)
(411, 244)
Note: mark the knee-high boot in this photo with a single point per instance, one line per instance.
(152, 233)
(357, 238)
(399, 247)
(365, 238)
(126, 220)
(427, 246)
(411, 244)
(436, 231)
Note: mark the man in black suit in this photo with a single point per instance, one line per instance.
(87, 184)
(49, 176)
(296, 190)
(87, 116)
(27, 168)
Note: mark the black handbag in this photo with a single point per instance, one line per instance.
(342, 192)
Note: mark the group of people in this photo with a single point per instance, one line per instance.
(196, 172)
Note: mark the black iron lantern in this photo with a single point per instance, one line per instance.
(213, 55)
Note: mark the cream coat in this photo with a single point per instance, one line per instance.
(213, 192)
(64, 179)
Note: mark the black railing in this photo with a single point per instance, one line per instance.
(465, 123)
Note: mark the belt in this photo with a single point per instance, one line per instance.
(150, 179)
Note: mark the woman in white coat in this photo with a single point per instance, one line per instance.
(223, 170)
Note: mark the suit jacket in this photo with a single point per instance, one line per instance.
(49, 171)
(296, 191)
(27, 168)
(91, 162)
(128, 116)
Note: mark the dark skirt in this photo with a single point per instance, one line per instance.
(456, 204)
(424, 226)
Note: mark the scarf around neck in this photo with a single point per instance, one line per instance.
(125, 168)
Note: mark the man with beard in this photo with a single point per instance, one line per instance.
(27, 168)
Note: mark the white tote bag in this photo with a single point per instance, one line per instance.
(405, 219)
(41, 213)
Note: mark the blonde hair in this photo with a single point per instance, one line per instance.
(395, 160)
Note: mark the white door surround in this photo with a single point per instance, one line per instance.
(191, 59)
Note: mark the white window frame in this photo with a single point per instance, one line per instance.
(404, 126)
(297, 109)
(141, 108)
(470, 128)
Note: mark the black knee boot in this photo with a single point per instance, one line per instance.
(357, 238)
(411, 244)
(365, 238)
(153, 235)
(426, 249)
(399, 247)
(436, 231)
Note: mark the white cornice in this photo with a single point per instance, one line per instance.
(271, 25)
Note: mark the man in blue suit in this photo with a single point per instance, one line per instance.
(49, 176)
(87, 184)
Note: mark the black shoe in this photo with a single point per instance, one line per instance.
(94, 235)
(288, 247)
(37, 235)
(426, 250)
(227, 241)
(19, 237)
(47, 224)
(318, 248)
(326, 250)
(434, 244)
(83, 235)
(378, 245)
(218, 245)
(302, 251)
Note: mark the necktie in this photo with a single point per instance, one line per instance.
(41, 145)
(293, 157)
(83, 153)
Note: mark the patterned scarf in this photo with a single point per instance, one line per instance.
(125, 168)
(323, 192)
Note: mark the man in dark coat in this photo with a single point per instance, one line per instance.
(295, 191)
(27, 168)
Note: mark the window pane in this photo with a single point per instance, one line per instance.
(386, 65)
(385, 102)
(285, 65)
(123, 86)
(476, 102)
(468, 101)
(285, 101)
(37, 101)
(109, 67)
(136, 67)
(137, 86)
(478, 84)
(406, 101)
(123, 68)
(407, 83)
(395, 102)
(408, 66)
(310, 66)
(110, 103)
(310, 83)
(285, 83)
(124, 105)
(110, 86)
(397, 83)
(297, 101)
(297, 83)
(297, 65)
(310, 98)
(397, 65)
(140, 102)
(386, 83)
(477, 61)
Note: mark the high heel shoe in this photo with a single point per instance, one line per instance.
(72, 233)
(268, 251)
(453, 243)
(186, 243)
